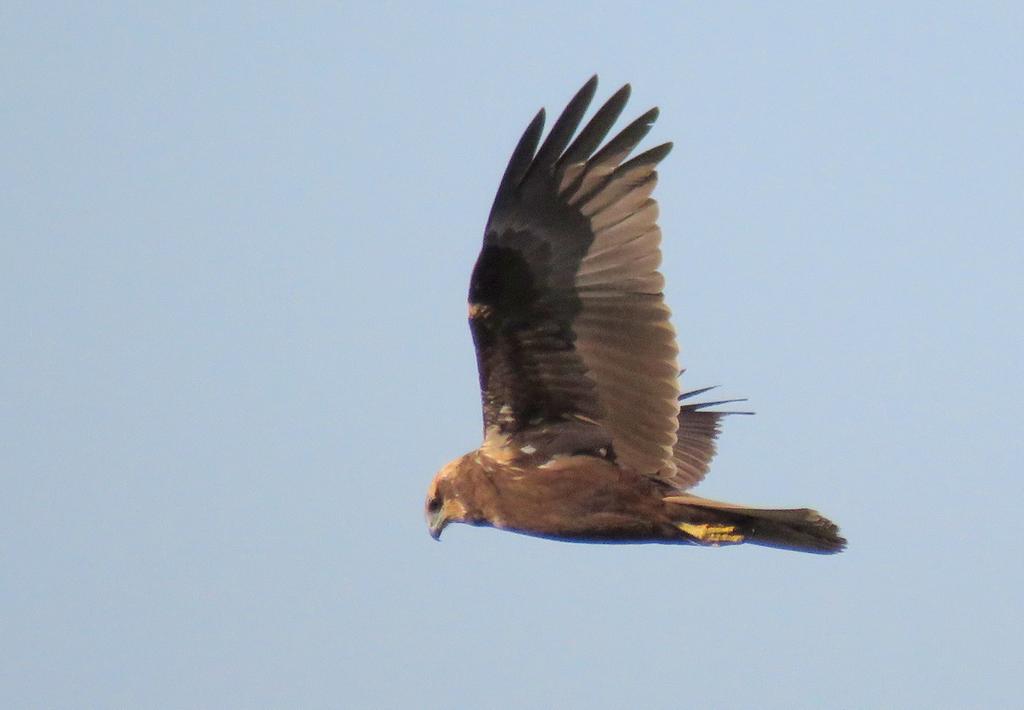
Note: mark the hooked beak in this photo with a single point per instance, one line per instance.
(436, 522)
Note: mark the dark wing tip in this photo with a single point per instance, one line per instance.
(596, 129)
(656, 154)
(695, 393)
(563, 129)
(649, 117)
(522, 156)
(698, 406)
(628, 138)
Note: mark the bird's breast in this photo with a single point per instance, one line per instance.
(569, 497)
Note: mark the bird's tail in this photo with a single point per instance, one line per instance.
(712, 522)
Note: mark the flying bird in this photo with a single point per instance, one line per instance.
(587, 436)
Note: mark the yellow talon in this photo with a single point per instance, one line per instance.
(712, 534)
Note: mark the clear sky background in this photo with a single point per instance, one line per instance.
(234, 250)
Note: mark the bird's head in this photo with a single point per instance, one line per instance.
(445, 504)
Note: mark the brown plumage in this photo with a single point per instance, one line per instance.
(584, 436)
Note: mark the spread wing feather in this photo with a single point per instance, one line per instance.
(695, 443)
(566, 305)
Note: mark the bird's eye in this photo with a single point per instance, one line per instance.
(434, 505)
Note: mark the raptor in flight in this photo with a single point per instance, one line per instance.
(585, 439)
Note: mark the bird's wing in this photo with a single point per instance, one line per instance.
(565, 302)
(695, 442)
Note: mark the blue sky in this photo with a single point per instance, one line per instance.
(234, 250)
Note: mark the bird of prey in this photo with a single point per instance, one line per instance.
(584, 436)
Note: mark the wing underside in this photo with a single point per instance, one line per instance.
(566, 304)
